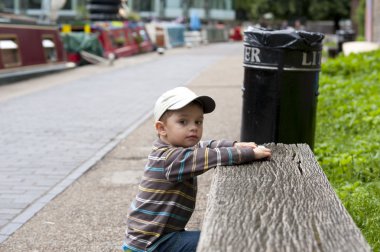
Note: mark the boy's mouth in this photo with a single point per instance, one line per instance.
(192, 137)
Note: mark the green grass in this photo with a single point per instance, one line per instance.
(347, 143)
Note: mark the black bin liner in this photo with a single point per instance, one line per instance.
(280, 88)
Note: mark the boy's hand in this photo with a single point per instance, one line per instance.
(262, 152)
(259, 150)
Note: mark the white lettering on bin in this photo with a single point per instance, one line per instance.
(251, 54)
(310, 59)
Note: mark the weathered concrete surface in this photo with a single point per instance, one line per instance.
(282, 204)
(90, 214)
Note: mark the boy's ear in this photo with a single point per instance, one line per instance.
(160, 128)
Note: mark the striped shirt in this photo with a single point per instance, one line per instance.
(167, 191)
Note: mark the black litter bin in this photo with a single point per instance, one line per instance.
(280, 89)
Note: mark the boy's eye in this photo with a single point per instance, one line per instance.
(199, 122)
(182, 122)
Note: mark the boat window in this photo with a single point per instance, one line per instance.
(137, 37)
(47, 43)
(9, 51)
(49, 49)
(8, 44)
(144, 35)
(117, 38)
(129, 37)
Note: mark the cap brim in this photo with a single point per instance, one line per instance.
(207, 102)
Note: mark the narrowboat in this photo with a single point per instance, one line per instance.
(123, 39)
(28, 47)
(115, 39)
(141, 36)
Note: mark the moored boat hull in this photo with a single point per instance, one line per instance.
(28, 48)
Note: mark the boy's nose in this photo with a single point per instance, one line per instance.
(194, 126)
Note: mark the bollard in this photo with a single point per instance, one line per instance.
(344, 36)
(280, 88)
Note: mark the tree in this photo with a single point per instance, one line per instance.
(359, 18)
(326, 9)
(333, 10)
(292, 9)
(251, 9)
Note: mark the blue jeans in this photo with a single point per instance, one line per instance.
(184, 241)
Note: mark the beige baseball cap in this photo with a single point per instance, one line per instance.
(179, 97)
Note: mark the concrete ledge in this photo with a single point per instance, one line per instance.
(359, 47)
(285, 204)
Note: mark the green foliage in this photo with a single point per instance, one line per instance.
(133, 16)
(310, 9)
(254, 9)
(326, 9)
(363, 203)
(348, 136)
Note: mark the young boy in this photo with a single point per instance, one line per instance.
(167, 191)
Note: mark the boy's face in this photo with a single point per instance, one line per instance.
(183, 128)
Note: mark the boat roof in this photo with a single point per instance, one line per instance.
(12, 18)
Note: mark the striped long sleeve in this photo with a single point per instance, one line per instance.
(183, 163)
(167, 192)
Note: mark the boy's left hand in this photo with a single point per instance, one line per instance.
(252, 145)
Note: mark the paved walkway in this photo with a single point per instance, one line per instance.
(50, 137)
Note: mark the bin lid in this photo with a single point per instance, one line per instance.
(283, 39)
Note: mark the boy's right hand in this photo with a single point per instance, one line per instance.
(262, 152)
